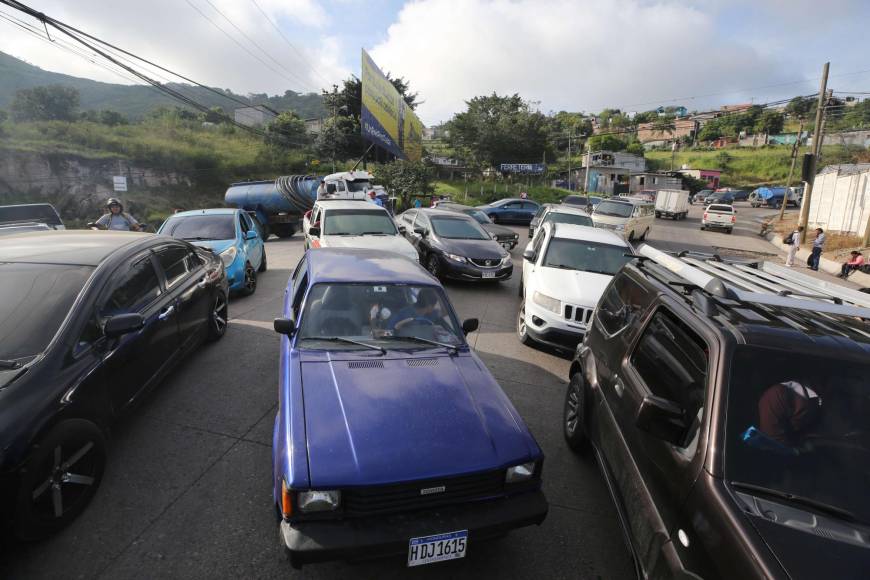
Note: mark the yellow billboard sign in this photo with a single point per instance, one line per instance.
(386, 119)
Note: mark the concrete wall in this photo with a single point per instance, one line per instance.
(841, 201)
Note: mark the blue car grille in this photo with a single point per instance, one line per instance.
(405, 497)
(486, 262)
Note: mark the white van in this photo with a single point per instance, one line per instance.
(629, 216)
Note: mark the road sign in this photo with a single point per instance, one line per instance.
(119, 183)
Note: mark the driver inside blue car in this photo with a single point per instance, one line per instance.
(424, 310)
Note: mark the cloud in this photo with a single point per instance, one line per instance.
(173, 34)
(572, 55)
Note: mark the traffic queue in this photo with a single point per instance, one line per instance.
(402, 443)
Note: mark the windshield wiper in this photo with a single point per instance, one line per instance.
(562, 266)
(452, 347)
(9, 364)
(800, 500)
(347, 340)
(374, 234)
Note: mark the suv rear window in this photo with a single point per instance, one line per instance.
(722, 208)
(38, 212)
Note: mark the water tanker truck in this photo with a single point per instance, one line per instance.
(279, 204)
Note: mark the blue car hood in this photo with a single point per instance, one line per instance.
(216, 246)
(369, 426)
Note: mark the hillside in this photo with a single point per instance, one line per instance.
(134, 101)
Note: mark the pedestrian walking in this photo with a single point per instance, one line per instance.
(793, 241)
(818, 246)
(855, 262)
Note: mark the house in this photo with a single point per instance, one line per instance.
(711, 176)
(680, 128)
(741, 108)
(615, 159)
(841, 199)
(314, 126)
(605, 179)
(654, 180)
(257, 115)
(679, 112)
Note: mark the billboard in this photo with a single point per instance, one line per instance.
(386, 120)
(524, 168)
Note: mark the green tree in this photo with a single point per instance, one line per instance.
(3, 116)
(405, 179)
(495, 129)
(606, 143)
(214, 115)
(112, 118)
(799, 107)
(693, 184)
(48, 103)
(636, 148)
(286, 130)
(770, 122)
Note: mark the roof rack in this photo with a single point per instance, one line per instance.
(760, 283)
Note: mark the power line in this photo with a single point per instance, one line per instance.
(239, 44)
(290, 44)
(260, 48)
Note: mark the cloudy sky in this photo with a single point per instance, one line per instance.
(577, 55)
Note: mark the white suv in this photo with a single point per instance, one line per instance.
(354, 224)
(566, 268)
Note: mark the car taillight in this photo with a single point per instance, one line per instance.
(705, 215)
(733, 219)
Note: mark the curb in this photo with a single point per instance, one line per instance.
(826, 265)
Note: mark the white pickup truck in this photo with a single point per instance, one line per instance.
(718, 215)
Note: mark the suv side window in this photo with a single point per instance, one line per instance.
(138, 288)
(422, 222)
(539, 241)
(173, 260)
(672, 360)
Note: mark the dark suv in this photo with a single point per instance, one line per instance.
(732, 423)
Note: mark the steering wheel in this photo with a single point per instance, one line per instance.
(416, 321)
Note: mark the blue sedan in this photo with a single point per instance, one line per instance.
(401, 442)
(511, 211)
(229, 233)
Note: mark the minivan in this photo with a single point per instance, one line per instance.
(629, 216)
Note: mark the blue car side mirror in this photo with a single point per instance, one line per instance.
(250, 234)
(285, 326)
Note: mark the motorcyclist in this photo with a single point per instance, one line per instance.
(117, 219)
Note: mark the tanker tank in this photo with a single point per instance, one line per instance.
(278, 204)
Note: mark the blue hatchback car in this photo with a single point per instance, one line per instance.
(511, 211)
(229, 233)
(391, 437)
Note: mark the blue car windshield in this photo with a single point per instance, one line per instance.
(385, 315)
(201, 227)
(796, 425)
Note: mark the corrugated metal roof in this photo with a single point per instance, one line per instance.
(846, 168)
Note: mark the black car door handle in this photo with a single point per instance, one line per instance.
(166, 313)
(618, 387)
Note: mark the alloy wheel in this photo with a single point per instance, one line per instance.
(572, 406)
(219, 314)
(432, 265)
(67, 482)
(250, 279)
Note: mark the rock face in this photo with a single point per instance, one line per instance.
(78, 187)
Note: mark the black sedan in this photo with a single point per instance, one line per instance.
(90, 322)
(453, 245)
(504, 236)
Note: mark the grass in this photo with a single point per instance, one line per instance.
(480, 192)
(749, 167)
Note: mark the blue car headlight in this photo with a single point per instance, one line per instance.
(521, 472)
(318, 500)
(228, 255)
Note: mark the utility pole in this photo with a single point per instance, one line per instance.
(588, 167)
(334, 121)
(794, 155)
(817, 146)
(569, 161)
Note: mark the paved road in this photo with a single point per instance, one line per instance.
(187, 492)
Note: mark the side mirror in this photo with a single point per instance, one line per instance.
(251, 234)
(314, 231)
(419, 231)
(470, 325)
(530, 255)
(493, 236)
(123, 324)
(402, 229)
(286, 326)
(663, 419)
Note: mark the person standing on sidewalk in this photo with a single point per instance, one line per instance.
(818, 246)
(793, 241)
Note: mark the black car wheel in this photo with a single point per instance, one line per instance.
(520, 289)
(643, 236)
(263, 263)
(574, 421)
(522, 331)
(433, 266)
(631, 236)
(217, 322)
(250, 284)
(59, 478)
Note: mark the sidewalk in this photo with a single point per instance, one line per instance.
(828, 269)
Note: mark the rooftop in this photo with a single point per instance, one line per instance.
(212, 211)
(353, 204)
(587, 234)
(337, 265)
(82, 247)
